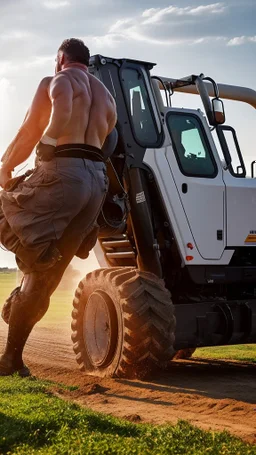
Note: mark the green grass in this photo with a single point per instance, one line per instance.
(243, 352)
(61, 301)
(7, 282)
(34, 421)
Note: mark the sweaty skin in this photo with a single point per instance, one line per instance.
(72, 107)
(82, 108)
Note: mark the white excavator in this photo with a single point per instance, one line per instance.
(177, 232)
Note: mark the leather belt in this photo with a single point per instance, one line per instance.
(79, 153)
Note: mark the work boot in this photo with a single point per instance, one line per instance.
(7, 368)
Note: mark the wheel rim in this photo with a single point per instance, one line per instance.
(100, 328)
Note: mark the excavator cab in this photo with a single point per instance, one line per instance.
(178, 264)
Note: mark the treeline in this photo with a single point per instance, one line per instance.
(69, 280)
(7, 270)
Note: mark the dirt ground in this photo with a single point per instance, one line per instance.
(211, 394)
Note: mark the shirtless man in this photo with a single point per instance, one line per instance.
(48, 216)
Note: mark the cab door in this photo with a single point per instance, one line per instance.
(240, 192)
(197, 173)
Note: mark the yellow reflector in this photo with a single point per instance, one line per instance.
(251, 238)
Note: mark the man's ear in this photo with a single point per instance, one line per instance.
(62, 58)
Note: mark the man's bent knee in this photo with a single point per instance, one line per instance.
(42, 281)
(30, 306)
(6, 310)
(30, 300)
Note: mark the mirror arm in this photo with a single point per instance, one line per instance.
(203, 92)
(215, 86)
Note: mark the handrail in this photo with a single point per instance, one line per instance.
(252, 168)
(230, 92)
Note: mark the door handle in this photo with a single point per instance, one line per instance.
(184, 188)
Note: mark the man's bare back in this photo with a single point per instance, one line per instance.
(72, 107)
(93, 112)
(47, 219)
(80, 103)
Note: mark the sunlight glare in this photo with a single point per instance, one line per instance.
(6, 89)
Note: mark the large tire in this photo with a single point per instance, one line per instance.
(123, 323)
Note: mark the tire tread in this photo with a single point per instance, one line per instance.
(148, 320)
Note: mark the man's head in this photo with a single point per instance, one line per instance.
(72, 50)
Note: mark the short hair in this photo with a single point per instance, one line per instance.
(75, 50)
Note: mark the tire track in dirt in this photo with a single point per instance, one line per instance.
(210, 394)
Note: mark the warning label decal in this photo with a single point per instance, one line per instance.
(140, 197)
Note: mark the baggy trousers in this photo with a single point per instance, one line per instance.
(35, 216)
(84, 185)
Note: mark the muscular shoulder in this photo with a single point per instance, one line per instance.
(40, 106)
(42, 89)
(59, 84)
(41, 94)
(58, 76)
(45, 83)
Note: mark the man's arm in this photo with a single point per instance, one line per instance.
(61, 96)
(31, 130)
(112, 116)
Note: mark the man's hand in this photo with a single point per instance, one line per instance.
(5, 175)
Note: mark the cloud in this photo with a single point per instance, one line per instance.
(144, 27)
(113, 40)
(5, 67)
(173, 31)
(9, 68)
(39, 61)
(239, 40)
(7, 89)
(214, 8)
(209, 39)
(13, 35)
(158, 15)
(121, 24)
(56, 4)
(110, 40)
(113, 25)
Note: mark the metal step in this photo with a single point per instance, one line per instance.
(121, 255)
(116, 244)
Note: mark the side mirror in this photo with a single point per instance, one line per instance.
(214, 108)
(226, 134)
(218, 111)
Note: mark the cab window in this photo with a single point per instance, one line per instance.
(191, 146)
(139, 108)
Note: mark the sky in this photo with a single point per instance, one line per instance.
(183, 37)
